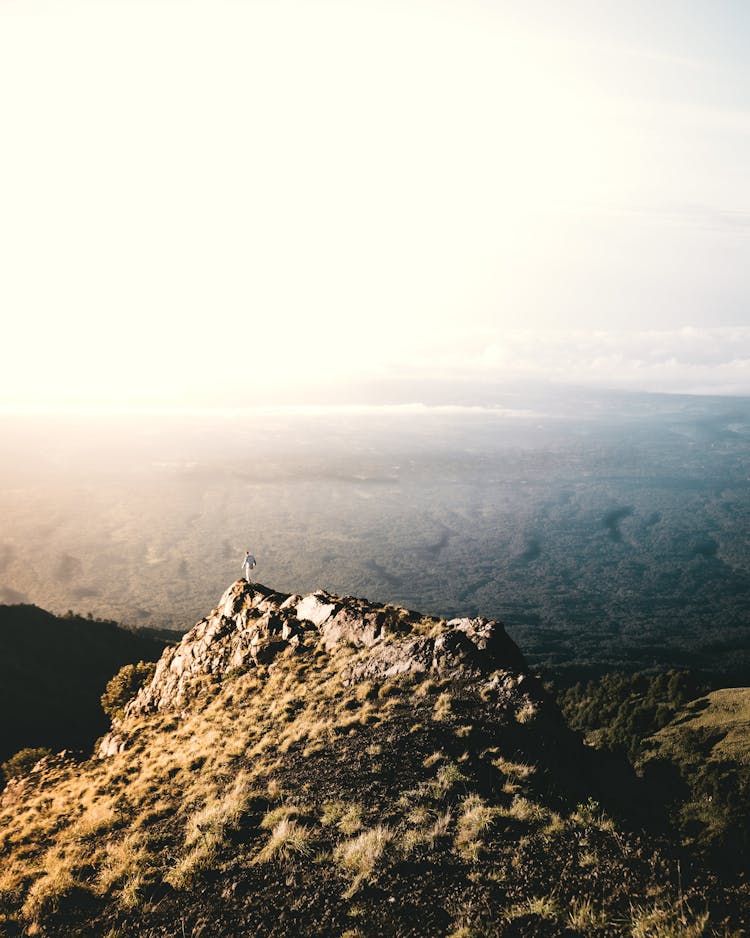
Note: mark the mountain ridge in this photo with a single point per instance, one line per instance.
(322, 765)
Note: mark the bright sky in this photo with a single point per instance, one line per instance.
(216, 203)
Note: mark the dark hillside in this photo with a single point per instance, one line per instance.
(704, 754)
(53, 671)
(690, 748)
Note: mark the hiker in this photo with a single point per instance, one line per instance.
(247, 565)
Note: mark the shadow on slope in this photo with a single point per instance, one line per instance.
(53, 671)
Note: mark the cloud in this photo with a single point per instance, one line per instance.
(687, 360)
(12, 596)
(700, 217)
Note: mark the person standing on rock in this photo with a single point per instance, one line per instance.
(247, 565)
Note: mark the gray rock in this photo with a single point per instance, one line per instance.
(252, 625)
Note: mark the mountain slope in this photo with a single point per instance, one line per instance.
(723, 717)
(703, 757)
(53, 671)
(327, 766)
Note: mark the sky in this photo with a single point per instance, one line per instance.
(217, 204)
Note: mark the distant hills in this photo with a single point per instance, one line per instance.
(53, 670)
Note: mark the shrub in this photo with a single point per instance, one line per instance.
(449, 777)
(23, 762)
(442, 708)
(124, 686)
(431, 828)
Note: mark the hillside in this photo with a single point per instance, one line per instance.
(327, 766)
(723, 717)
(703, 756)
(53, 670)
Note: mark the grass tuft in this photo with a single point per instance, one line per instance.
(661, 921)
(363, 855)
(288, 839)
(476, 818)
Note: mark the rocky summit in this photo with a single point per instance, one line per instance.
(253, 625)
(328, 766)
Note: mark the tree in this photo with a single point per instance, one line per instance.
(124, 686)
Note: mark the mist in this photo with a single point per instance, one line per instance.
(605, 529)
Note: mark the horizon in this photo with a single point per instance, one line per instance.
(485, 400)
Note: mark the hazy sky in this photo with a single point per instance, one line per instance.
(220, 203)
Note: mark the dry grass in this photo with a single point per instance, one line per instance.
(585, 916)
(99, 814)
(433, 759)
(206, 830)
(541, 906)
(192, 864)
(347, 818)
(516, 770)
(475, 820)
(449, 778)
(366, 691)
(426, 687)
(666, 921)
(212, 822)
(198, 775)
(361, 856)
(442, 709)
(389, 689)
(555, 824)
(526, 713)
(124, 859)
(284, 812)
(98, 818)
(288, 839)
(57, 881)
(521, 809)
(430, 827)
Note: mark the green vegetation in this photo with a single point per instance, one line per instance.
(618, 711)
(23, 761)
(693, 754)
(125, 685)
(700, 766)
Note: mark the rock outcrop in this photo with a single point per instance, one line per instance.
(252, 625)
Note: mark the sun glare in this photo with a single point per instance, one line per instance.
(228, 199)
